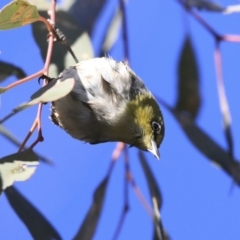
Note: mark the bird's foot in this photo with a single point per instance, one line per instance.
(45, 77)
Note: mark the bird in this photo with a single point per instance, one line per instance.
(109, 103)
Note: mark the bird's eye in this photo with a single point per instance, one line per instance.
(156, 127)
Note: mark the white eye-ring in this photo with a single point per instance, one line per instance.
(156, 127)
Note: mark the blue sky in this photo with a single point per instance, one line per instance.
(199, 201)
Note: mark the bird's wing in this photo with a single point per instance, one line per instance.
(104, 84)
(101, 76)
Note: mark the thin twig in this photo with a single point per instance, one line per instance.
(217, 36)
(136, 189)
(231, 38)
(28, 136)
(220, 84)
(60, 37)
(124, 30)
(126, 199)
(24, 80)
(117, 151)
(37, 121)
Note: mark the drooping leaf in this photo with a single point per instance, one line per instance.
(1, 186)
(2, 90)
(51, 92)
(83, 47)
(90, 222)
(17, 13)
(189, 98)
(205, 144)
(86, 12)
(232, 9)
(151, 181)
(80, 18)
(41, 4)
(17, 167)
(68, 25)
(205, 5)
(8, 69)
(112, 32)
(10, 137)
(156, 196)
(39, 227)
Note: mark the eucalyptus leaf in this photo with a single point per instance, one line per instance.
(153, 185)
(8, 69)
(189, 98)
(10, 137)
(232, 9)
(90, 222)
(53, 91)
(39, 227)
(17, 167)
(112, 32)
(69, 27)
(3, 90)
(205, 5)
(205, 144)
(156, 196)
(86, 12)
(18, 13)
(82, 47)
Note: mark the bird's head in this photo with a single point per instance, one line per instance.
(148, 123)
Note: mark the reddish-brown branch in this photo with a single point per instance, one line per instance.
(217, 36)
(49, 51)
(117, 151)
(24, 80)
(126, 201)
(231, 38)
(140, 195)
(136, 189)
(28, 136)
(37, 122)
(218, 63)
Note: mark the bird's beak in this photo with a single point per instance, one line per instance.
(154, 149)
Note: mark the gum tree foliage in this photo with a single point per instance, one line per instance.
(79, 20)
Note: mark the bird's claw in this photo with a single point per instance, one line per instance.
(45, 77)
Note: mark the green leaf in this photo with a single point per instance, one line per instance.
(39, 227)
(51, 92)
(8, 69)
(151, 180)
(159, 233)
(72, 30)
(90, 222)
(2, 90)
(205, 5)
(11, 138)
(189, 99)
(27, 155)
(17, 167)
(112, 32)
(205, 144)
(83, 47)
(18, 13)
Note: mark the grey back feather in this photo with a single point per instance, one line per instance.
(104, 84)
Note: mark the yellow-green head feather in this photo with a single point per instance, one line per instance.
(145, 112)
